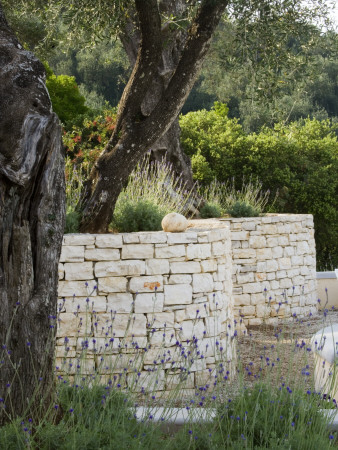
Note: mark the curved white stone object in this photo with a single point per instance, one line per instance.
(174, 223)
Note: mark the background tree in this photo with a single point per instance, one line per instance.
(31, 227)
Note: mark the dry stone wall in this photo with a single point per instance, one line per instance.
(136, 304)
(274, 266)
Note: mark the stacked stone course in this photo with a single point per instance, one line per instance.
(274, 266)
(121, 293)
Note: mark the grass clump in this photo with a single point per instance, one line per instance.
(249, 201)
(153, 190)
(140, 215)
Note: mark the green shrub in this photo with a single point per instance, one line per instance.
(269, 416)
(242, 209)
(210, 210)
(73, 219)
(132, 216)
(66, 99)
(298, 160)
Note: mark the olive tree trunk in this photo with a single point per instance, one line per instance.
(137, 130)
(32, 211)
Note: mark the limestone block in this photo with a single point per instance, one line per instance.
(244, 253)
(252, 288)
(98, 345)
(197, 366)
(297, 260)
(284, 263)
(260, 276)
(268, 229)
(112, 284)
(157, 266)
(271, 266)
(165, 337)
(137, 251)
(148, 303)
(149, 380)
(219, 234)
(213, 326)
(257, 242)
(179, 315)
(242, 300)
(61, 271)
(146, 284)
(275, 285)
(245, 278)
(171, 251)
(285, 283)
(277, 252)
(202, 282)
(153, 237)
(120, 303)
(209, 265)
(120, 325)
(249, 268)
(271, 241)
(74, 324)
(283, 241)
(102, 254)
(180, 279)
(298, 281)
(263, 254)
(248, 310)
(72, 253)
(196, 311)
(131, 238)
(123, 362)
(255, 321)
(259, 299)
(199, 298)
(216, 300)
(77, 288)
(303, 248)
(190, 328)
(79, 271)
(310, 260)
(179, 381)
(185, 267)
(198, 251)
(74, 366)
(177, 294)
(271, 276)
(236, 244)
(284, 228)
(240, 235)
(249, 226)
(202, 237)
(293, 272)
(218, 248)
(189, 237)
(161, 319)
(108, 241)
(78, 239)
(119, 268)
(83, 304)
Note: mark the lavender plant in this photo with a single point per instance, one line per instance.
(261, 405)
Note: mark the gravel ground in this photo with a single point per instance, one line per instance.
(282, 351)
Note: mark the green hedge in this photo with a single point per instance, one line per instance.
(299, 160)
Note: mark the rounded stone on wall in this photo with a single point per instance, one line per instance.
(174, 223)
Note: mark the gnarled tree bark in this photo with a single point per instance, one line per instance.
(32, 211)
(168, 147)
(138, 130)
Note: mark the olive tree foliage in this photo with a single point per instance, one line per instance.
(166, 41)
